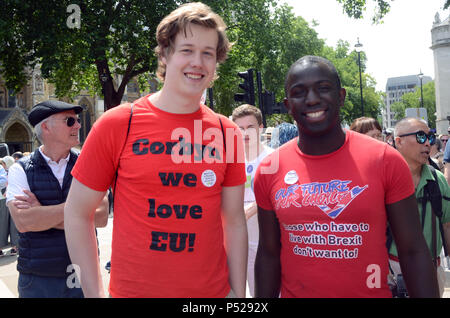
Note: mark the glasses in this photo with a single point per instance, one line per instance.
(444, 140)
(70, 121)
(421, 137)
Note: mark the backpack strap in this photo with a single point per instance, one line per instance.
(435, 197)
(123, 147)
(223, 137)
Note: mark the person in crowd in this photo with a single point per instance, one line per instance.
(446, 159)
(17, 155)
(36, 194)
(367, 126)
(436, 155)
(3, 209)
(389, 136)
(444, 139)
(282, 134)
(7, 227)
(323, 214)
(414, 141)
(249, 120)
(177, 170)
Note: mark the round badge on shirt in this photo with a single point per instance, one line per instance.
(249, 168)
(208, 178)
(291, 177)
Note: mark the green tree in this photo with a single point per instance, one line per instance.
(346, 63)
(356, 8)
(114, 37)
(269, 38)
(413, 100)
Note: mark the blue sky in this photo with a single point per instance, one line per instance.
(397, 47)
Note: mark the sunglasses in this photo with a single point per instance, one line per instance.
(70, 121)
(421, 137)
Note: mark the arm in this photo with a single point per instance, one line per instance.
(102, 212)
(447, 171)
(80, 235)
(446, 161)
(30, 216)
(447, 235)
(250, 210)
(267, 263)
(236, 240)
(413, 252)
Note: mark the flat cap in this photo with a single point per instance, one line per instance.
(50, 107)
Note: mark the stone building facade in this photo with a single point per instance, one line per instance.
(440, 34)
(15, 130)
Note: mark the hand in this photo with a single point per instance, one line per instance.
(250, 211)
(26, 201)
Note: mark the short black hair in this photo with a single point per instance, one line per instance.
(313, 60)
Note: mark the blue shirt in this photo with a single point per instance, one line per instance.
(3, 177)
(447, 153)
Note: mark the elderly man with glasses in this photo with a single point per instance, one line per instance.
(413, 139)
(37, 190)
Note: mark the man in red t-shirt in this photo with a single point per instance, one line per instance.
(179, 224)
(323, 213)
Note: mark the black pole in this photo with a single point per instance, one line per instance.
(421, 93)
(360, 84)
(260, 99)
(211, 99)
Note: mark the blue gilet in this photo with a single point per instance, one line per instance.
(45, 253)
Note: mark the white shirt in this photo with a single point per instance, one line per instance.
(17, 179)
(249, 196)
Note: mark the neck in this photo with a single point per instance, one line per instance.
(173, 103)
(416, 172)
(322, 144)
(54, 153)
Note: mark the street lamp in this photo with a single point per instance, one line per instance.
(420, 75)
(358, 48)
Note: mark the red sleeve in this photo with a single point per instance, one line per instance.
(261, 185)
(98, 160)
(397, 177)
(235, 155)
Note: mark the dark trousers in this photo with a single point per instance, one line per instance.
(33, 286)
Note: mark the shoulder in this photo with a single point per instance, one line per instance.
(116, 113)
(440, 177)
(217, 118)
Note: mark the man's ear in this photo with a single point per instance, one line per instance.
(286, 104)
(342, 95)
(396, 142)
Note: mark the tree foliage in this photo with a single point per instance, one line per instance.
(347, 65)
(356, 8)
(413, 100)
(116, 39)
(113, 38)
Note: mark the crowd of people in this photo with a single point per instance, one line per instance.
(206, 204)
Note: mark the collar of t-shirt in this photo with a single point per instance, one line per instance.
(58, 168)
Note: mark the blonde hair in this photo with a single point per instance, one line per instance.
(179, 20)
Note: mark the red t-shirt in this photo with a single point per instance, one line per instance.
(332, 215)
(167, 232)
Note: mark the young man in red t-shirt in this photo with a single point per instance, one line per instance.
(179, 224)
(323, 214)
